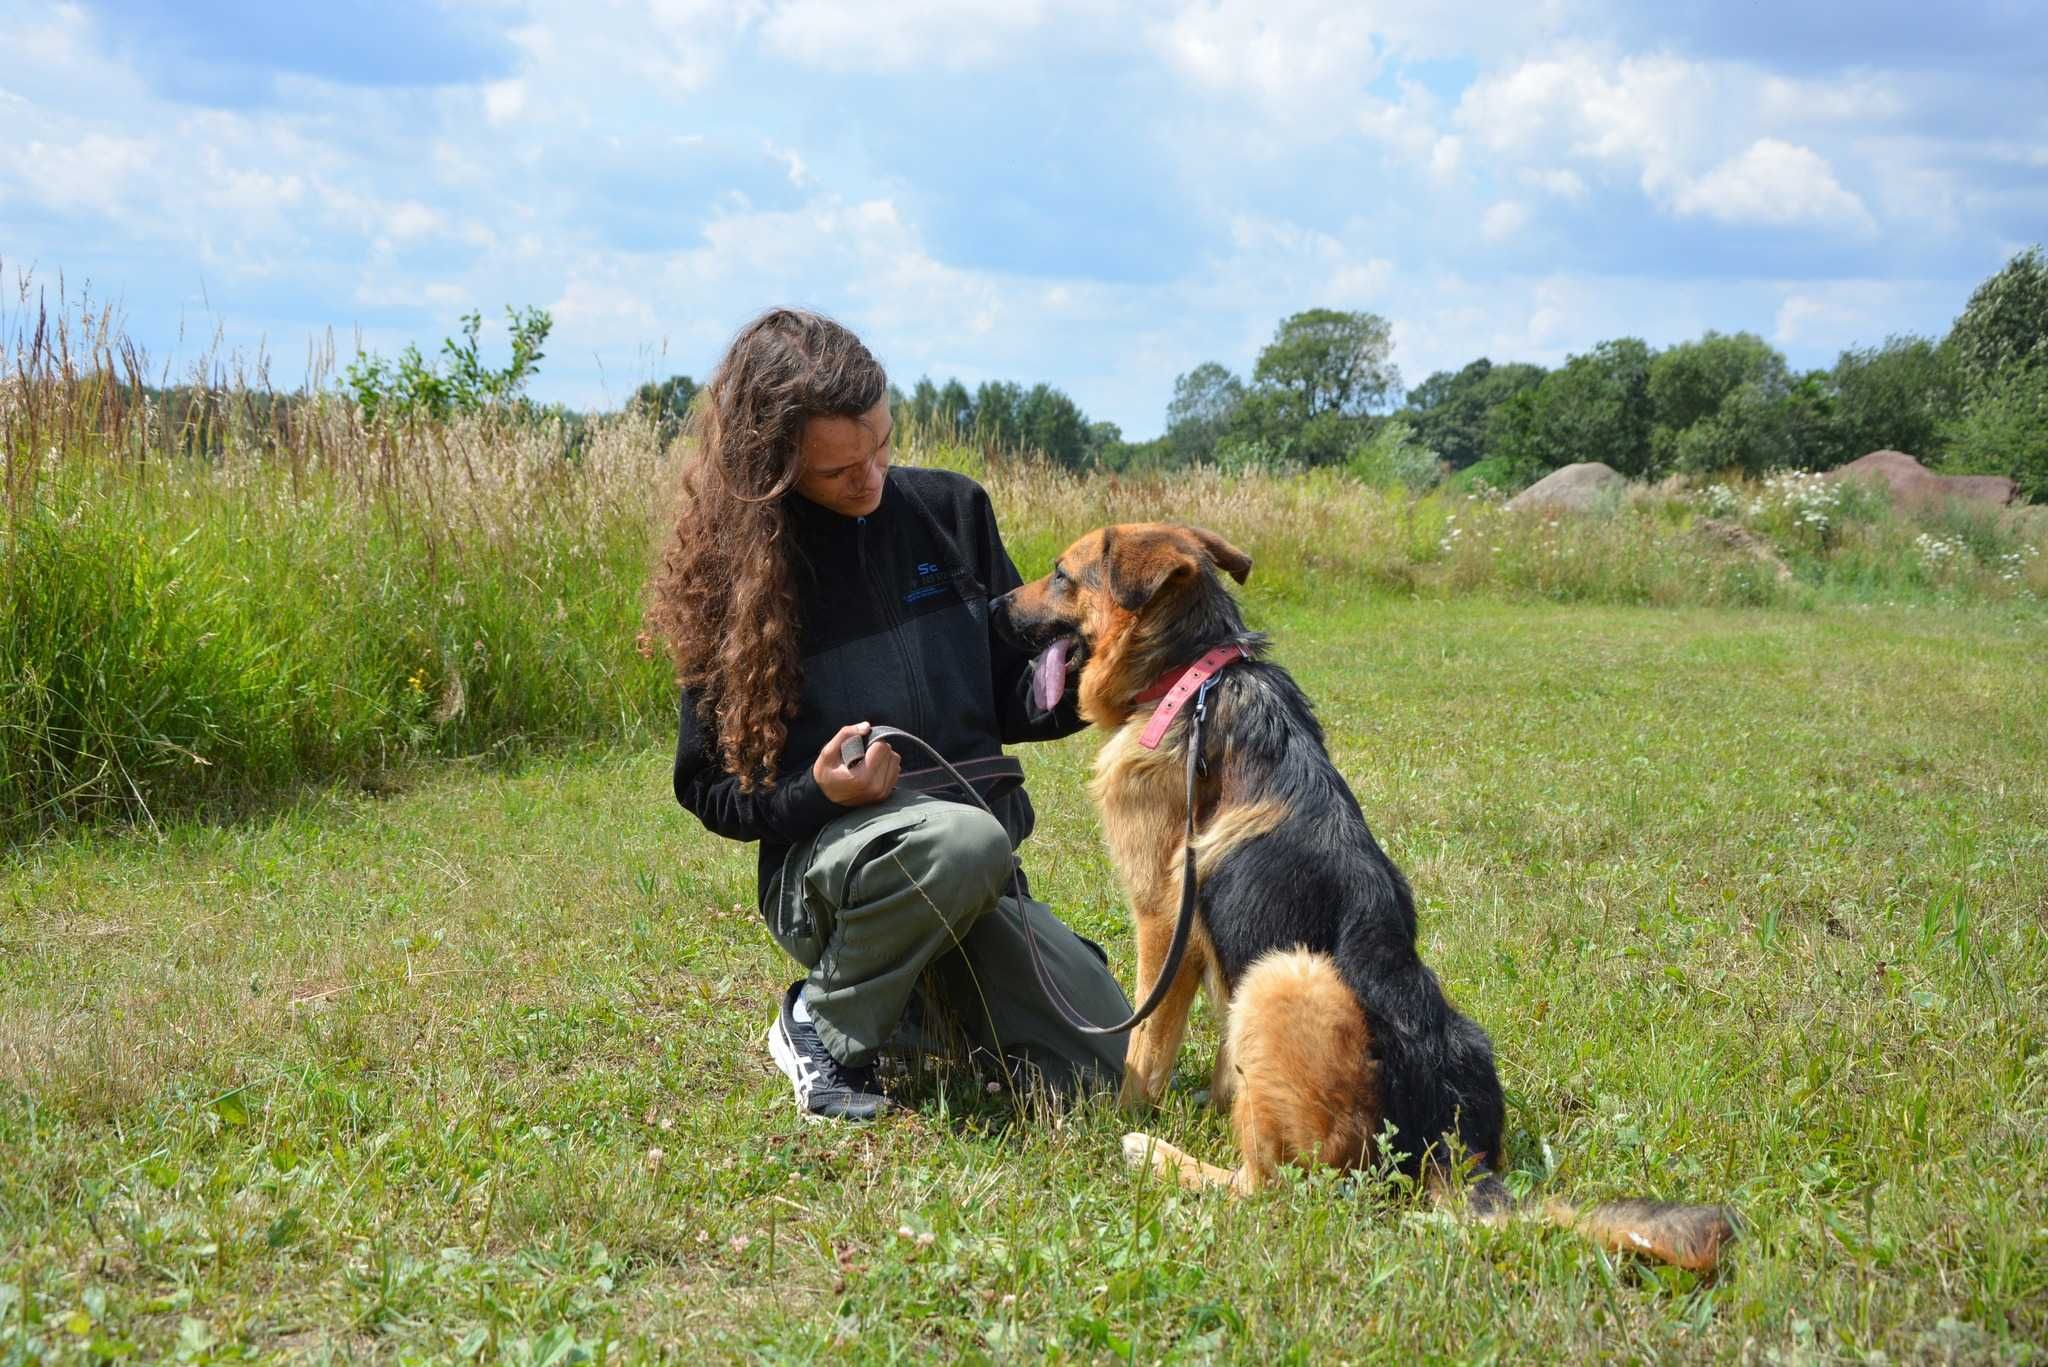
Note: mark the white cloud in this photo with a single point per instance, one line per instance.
(1700, 138)
(409, 219)
(1773, 182)
(1645, 113)
(1833, 314)
(1443, 321)
(504, 100)
(1301, 59)
(97, 172)
(1411, 128)
(903, 35)
(1503, 220)
(1319, 266)
(1801, 316)
(799, 174)
(590, 306)
(1857, 100)
(674, 45)
(1564, 184)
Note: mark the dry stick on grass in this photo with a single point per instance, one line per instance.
(407, 979)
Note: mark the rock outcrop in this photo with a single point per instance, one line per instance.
(1912, 484)
(1585, 487)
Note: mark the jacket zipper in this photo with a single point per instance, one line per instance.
(918, 724)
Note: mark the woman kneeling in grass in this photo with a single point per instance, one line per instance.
(808, 592)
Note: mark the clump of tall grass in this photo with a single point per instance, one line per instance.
(211, 590)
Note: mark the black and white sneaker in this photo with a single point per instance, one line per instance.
(824, 1086)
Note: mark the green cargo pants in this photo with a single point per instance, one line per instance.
(918, 888)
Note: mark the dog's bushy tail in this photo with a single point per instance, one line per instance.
(1685, 1236)
(1688, 1236)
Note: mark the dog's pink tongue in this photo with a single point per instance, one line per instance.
(1049, 675)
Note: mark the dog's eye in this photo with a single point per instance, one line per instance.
(1059, 577)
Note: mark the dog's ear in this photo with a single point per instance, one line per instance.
(1228, 558)
(1140, 568)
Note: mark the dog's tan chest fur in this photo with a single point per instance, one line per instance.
(1142, 797)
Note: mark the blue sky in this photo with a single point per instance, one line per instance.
(1097, 194)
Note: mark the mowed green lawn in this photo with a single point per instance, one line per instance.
(1752, 904)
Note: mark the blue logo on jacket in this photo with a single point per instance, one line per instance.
(931, 579)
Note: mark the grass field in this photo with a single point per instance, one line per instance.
(1751, 901)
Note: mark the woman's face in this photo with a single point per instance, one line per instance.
(844, 460)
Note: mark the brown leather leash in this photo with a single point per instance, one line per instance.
(1184, 923)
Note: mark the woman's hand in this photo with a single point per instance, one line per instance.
(868, 781)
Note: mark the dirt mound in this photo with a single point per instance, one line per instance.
(1910, 483)
(1739, 538)
(1586, 487)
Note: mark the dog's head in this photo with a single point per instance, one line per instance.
(1122, 604)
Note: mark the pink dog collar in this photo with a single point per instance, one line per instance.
(1174, 695)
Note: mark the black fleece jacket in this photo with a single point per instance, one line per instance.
(893, 612)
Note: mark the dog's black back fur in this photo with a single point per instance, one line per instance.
(1320, 880)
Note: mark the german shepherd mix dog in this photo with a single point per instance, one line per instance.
(1305, 940)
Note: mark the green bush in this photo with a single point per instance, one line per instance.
(2004, 431)
(179, 638)
(1394, 457)
(1495, 472)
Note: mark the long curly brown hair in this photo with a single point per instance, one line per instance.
(722, 597)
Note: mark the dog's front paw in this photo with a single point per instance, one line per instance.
(1138, 1149)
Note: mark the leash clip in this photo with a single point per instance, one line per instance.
(1201, 714)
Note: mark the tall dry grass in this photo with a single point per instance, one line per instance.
(213, 589)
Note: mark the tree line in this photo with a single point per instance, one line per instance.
(1325, 392)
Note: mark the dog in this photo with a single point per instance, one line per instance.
(1334, 1030)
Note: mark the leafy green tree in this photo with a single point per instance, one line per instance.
(1689, 386)
(667, 402)
(954, 411)
(1895, 397)
(1812, 422)
(474, 385)
(1451, 413)
(1745, 432)
(923, 402)
(1330, 362)
(1313, 389)
(2003, 430)
(998, 420)
(1689, 381)
(1262, 432)
(1759, 427)
(1050, 422)
(1204, 401)
(2005, 324)
(413, 388)
(1103, 437)
(1595, 407)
